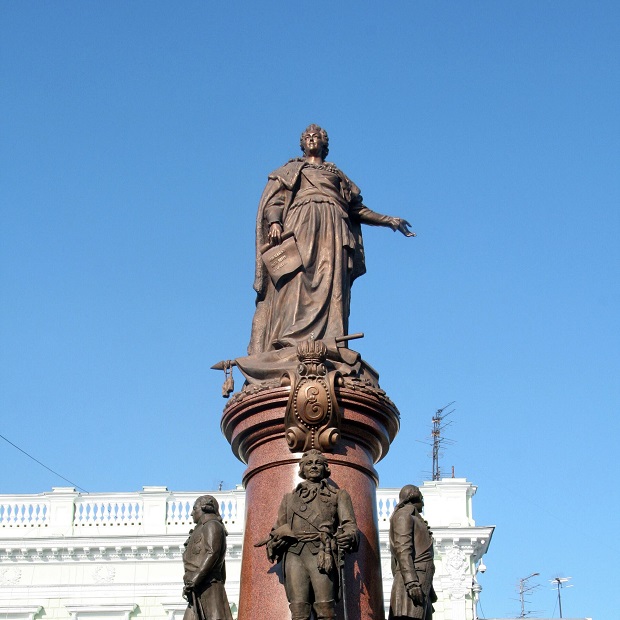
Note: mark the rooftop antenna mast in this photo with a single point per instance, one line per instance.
(438, 440)
(524, 590)
(559, 584)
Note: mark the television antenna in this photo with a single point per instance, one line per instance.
(559, 584)
(525, 589)
(438, 440)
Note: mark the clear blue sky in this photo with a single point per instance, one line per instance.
(135, 141)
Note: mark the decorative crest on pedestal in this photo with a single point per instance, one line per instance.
(312, 417)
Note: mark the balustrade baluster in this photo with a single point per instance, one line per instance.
(175, 510)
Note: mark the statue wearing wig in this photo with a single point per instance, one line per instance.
(203, 559)
(315, 527)
(411, 545)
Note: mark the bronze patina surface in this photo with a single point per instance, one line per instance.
(306, 391)
(315, 202)
(315, 527)
(203, 560)
(411, 546)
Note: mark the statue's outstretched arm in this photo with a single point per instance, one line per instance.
(367, 216)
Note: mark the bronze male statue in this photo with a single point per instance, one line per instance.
(411, 544)
(203, 560)
(322, 208)
(315, 527)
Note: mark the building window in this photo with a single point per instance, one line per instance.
(19, 612)
(113, 611)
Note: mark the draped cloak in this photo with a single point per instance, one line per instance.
(320, 205)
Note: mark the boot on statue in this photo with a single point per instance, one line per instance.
(325, 610)
(300, 611)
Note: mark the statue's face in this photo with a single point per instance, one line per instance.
(313, 143)
(197, 512)
(314, 469)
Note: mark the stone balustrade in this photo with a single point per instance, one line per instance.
(154, 510)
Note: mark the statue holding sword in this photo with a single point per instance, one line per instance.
(315, 527)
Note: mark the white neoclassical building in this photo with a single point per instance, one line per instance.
(117, 556)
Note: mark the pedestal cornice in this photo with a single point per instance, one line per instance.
(255, 418)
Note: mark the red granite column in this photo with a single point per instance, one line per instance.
(253, 423)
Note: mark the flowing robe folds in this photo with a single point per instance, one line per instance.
(323, 209)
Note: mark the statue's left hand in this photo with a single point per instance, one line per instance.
(275, 233)
(398, 223)
(415, 593)
(344, 540)
(188, 587)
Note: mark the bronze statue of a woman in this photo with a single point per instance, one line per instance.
(323, 209)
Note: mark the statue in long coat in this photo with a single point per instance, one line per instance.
(411, 545)
(203, 560)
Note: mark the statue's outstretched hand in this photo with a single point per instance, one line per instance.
(398, 223)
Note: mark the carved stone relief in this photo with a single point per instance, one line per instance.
(10, 576)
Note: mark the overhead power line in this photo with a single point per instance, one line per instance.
(77, 486)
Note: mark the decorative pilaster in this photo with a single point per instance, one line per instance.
(154, 501)
(455, 577)
(62, 507)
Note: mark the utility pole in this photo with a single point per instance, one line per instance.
(524, 590)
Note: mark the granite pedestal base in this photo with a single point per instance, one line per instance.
(253, 423)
